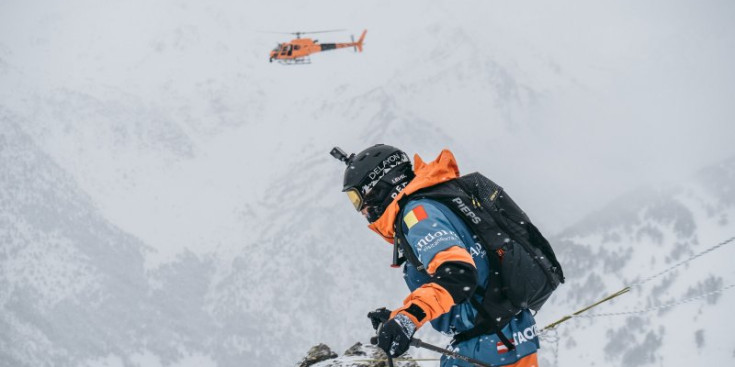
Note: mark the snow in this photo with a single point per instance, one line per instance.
(167, 198)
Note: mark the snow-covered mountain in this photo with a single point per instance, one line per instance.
(167, 198)
(74, 286)
(631, 242)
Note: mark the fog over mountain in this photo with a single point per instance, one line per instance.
(167, 197)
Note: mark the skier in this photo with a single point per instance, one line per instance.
(454, 265)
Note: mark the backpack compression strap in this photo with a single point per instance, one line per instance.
(485, 322)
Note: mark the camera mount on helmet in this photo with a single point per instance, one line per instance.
(340, 154)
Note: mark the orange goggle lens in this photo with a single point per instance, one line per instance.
(355, 198)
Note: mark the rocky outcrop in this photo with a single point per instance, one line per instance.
(317, 353)
(358, 355)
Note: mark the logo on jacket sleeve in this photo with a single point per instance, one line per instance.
(414, 216)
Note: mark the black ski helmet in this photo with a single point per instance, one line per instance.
(374, 177)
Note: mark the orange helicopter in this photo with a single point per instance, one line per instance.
(298, 50)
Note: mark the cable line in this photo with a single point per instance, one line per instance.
(638, 284)
(661, 307)
(644, 281)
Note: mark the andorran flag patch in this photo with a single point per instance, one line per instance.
(414, 216)
(502, 348)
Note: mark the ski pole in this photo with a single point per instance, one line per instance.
(565, 318)
(419, 344)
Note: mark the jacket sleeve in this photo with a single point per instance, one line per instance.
(449, 264)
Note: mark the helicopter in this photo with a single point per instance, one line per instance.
(298, 50)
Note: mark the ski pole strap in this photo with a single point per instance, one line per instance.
(565, 318)
(419, 344)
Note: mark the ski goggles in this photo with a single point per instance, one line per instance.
(355, 198)
(371, 212)
(391, 183)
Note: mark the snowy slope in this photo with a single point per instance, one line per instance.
(167, 197)
(74, 286)
(61, 262)
(633, 239)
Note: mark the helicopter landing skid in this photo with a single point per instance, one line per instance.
(297, 61)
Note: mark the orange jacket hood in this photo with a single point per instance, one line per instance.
(443, 168)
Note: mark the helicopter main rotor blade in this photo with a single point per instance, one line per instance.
(310, 32)
(327, 31)
(275, 32)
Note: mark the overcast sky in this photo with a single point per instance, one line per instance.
(601, 96)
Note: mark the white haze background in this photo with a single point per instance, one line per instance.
(168, 199)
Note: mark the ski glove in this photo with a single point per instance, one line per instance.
(379, 316)
(395, 335)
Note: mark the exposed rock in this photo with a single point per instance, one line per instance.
(317, 354)
(358, 355)
(355, 350)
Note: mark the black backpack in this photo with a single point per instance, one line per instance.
(528, 270)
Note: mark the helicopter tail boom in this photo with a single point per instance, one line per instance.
(333, 46)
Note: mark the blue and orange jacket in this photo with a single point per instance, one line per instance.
(455, 264)
(439, 238)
